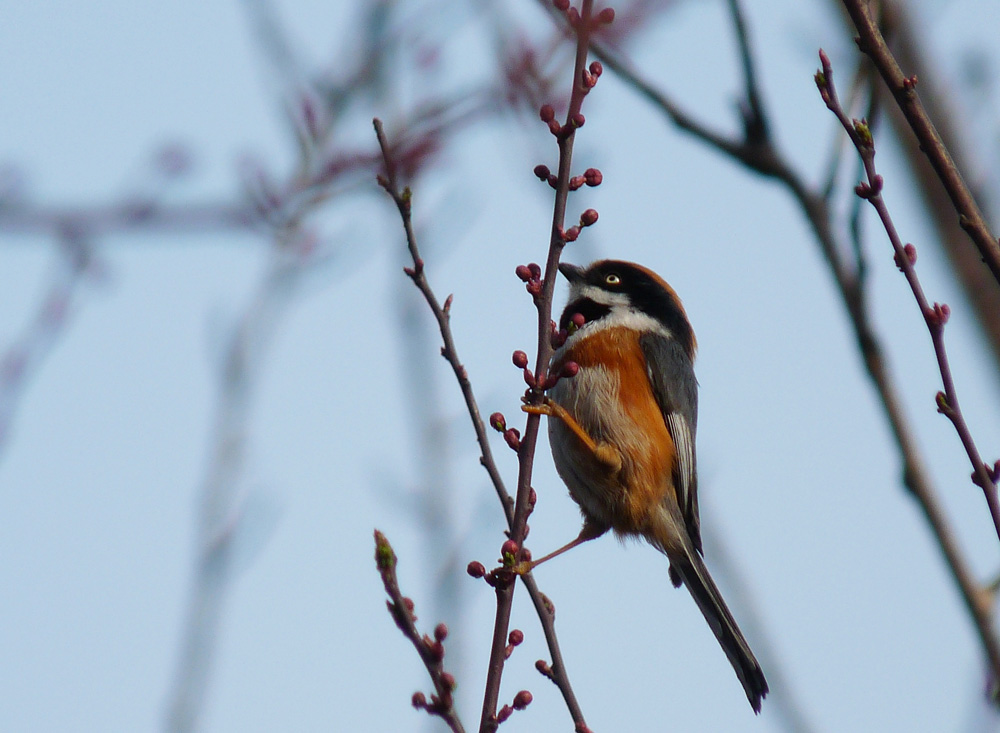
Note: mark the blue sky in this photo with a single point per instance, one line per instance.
(110, 443)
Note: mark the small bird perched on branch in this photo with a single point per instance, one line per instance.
(622, 431)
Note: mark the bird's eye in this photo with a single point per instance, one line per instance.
(612, 279)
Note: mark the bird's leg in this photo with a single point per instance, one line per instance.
(604, 452)
(589, 532)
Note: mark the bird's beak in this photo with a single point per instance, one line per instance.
(571, 272)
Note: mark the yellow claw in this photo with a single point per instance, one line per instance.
(543, 409)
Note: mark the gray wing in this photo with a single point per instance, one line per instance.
(671, 375)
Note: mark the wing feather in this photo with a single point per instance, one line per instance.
(671, 375)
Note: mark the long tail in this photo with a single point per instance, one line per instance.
(692, 570)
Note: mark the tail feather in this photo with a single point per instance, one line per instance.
(693, 572)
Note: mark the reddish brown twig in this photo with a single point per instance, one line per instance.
(935, 316)
(431, 651)
(905, 256)
(903, 88)
(582, 23)
(403, 198)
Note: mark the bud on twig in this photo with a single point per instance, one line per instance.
(522, 700)
(498, 422)
(593, 177)
(911, 255)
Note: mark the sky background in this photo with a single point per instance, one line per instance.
(110, 440)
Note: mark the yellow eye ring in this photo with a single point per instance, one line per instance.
(612, 279)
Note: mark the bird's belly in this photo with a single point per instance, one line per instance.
(615, 497)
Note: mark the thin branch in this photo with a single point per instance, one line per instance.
(583, 25)
(24, 357)
(903, 88)
(115, 218)
(905, 255)
(431, 651)
(222, 496)
(896, 21)
(402, 198)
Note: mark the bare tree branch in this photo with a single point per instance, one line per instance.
(431, 651)
(903, 89)
(402, 199)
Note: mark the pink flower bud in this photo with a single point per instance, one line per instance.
(515, 637)
(522, 700)
(510, 548)
(498, 422)
(476, 569)
(593, 177)
(588, 217)
(441, 632)
(520, 359)
(606, 16)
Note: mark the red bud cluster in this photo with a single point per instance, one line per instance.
(531, 276)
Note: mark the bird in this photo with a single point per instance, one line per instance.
(622, 421)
